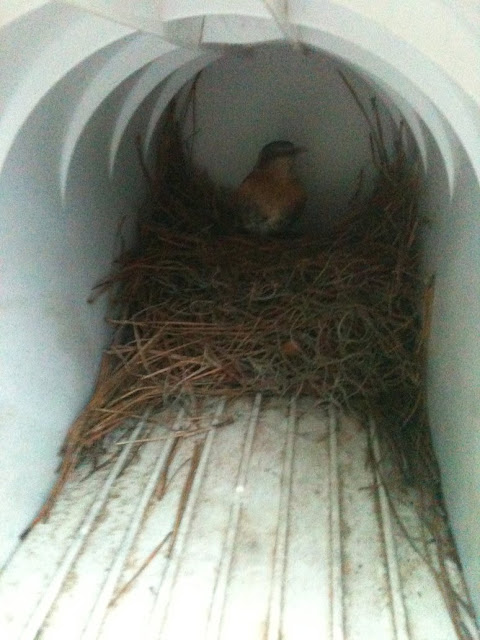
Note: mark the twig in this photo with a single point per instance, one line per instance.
(185, 493)
(143, 566)
(162, 481)
(177, 435)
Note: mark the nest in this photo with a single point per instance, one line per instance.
(202, 309)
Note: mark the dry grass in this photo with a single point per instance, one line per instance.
(202, 309)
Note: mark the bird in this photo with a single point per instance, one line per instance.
(271, 197)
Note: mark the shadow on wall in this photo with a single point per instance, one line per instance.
(453, 249)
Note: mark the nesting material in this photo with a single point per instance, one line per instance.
(203, 309)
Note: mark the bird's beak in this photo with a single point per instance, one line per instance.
(299, 150)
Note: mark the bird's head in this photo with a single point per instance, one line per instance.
(279, 151)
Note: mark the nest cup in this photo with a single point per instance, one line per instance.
(202, 308)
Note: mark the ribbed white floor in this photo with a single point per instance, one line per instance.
(273, 527)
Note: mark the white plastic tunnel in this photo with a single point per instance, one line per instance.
(81, 79)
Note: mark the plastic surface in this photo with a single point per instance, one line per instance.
(279, 529)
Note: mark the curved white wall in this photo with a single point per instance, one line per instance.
(78, 82)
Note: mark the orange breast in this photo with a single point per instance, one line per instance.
(273, 197)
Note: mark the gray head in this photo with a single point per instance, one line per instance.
(278, 149)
